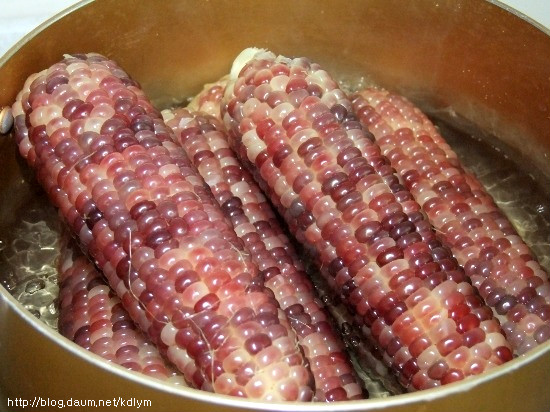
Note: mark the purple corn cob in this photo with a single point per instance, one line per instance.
(209, 101)
(109, 163)
(94, 318)
(498, 262)
(345, 201)
(205, 142)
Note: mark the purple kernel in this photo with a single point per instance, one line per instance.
(394, 345)
(208, 302)
(401, 229)
(339, 111)
(495, 296)
(281, 154)
(178, 227)
(452, 375)
(140, 208)
(348, 288)
(294, 310)
(335, 266)
(365, 232)
(123, 268)
(438, 370)
(157, 237)
(122, 105)
(347, 155)
(54, 82)
(296, 208)
(70, 108)
(305, 220)
(543, 312)
(142, 122)
(526, 295)
(268, 319)
(333, 181)
(185, 279)
(92, 217)
(410, 368)
(393, 220)
(409, 239)
(82, 337)
(351, 124)
(123, 324)
(115, 126)
(256, 343)
(242, 315)
(126, 351)
(473, 337)
(81, 112)
(335, 395)
(542, 334)
(392, 315)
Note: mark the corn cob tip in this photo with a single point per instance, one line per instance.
(208, 99)
(167, 115)
(250, 53)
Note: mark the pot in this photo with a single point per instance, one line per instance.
(472, 64)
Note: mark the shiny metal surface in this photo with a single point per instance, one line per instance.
(469, 58)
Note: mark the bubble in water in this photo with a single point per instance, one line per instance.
(32, 309)
(33, 216)
(35, 285)
(52, 308)
(21, 245)
(7, 278)
(28, 260)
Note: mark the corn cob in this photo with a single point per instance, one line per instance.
(203, 138)
(94, 318)
(378, 378)
(105, 158)
(498, 262)
(401, 282)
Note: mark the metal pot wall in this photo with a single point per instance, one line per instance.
(473, 59)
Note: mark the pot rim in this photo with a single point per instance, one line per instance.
(15, 48)
(517, 13)
(426, 395)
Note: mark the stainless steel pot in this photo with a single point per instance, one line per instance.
(472, 59)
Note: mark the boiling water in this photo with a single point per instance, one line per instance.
(28, 256)
(29, 252)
